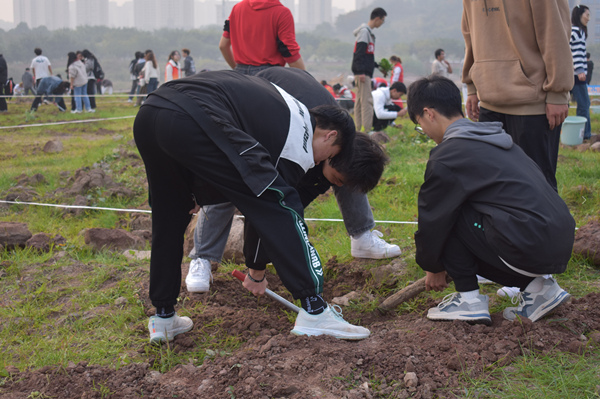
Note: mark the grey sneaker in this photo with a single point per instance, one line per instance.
(330, 322)
(455, 307)
(163, 330)
(535, 305)
(370, 245)
(199, 276)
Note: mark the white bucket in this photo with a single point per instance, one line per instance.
(572, 130)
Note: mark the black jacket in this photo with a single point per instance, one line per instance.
(3, 70)
(231, 108)
(524, 219)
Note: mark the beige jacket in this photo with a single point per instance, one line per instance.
(517, 54)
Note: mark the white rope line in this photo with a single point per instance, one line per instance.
(76, 206)
(67, 122)
(146, 211)
(71, 95)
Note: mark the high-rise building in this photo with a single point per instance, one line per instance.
(312, 13)
(205, 13)
(120, 16)
(53, 14)
(157, 14)
(224, 9)
(91, 12)
(362, 4)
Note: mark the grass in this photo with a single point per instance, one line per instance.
(87, 306)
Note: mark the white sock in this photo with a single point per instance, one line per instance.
(536, 285)
(470, 294)
(361, 235)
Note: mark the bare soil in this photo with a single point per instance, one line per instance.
(272, 363)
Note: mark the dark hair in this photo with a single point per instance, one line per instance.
(438, 52)
(138, 55)
(395, 58)
(186, 50)
(576, 17)
(62, 88)
(332, 117)
(399, 86)
(149, 56)
(37, 51)
(437, 92)
(172, 54)
(88, 54)
(71, 58)
(587, 55)
(365, 168)
(337, 86)
(378, 13)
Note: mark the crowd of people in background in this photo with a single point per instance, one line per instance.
(86, 78)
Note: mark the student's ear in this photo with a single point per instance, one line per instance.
(332, 134)
(428, 113)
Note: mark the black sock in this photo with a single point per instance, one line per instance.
(165, 312)
(313, 304)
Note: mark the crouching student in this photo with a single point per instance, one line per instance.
(485, 209)
(203, 143)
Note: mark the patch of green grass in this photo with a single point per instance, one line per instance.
(563, 375)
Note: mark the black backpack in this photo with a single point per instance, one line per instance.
(98, 72)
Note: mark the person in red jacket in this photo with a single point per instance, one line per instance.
(397, 70)
(260, 34)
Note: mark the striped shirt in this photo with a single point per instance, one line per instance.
(578, 50)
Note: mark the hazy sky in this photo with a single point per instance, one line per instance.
(7, 7)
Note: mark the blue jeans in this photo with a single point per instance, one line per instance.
(152, 85)
(250, 70)
(214, 223)
(580, 94)
(81, 93)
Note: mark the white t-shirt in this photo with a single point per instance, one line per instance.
(41, 67)
(439, 68)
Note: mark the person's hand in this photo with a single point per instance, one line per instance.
(472, 107)
(402, 112)
(195, 209)
(362, 78)
(256, 288)
(556, 114)
(581, 76)
(435, 281)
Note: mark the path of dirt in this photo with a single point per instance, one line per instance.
(271, 363)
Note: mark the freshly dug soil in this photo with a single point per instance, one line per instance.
(406, 355)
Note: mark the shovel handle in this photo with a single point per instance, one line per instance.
(241, 276)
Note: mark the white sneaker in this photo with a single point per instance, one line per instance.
(163, 330)
(75, 111)
(91, 110)
(199, 276)
(535, 305)
(455, 307)
(370, 246)
(510, 292)
(329, 322)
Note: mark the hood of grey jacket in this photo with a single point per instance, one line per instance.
(487, 132)
(361, 27)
